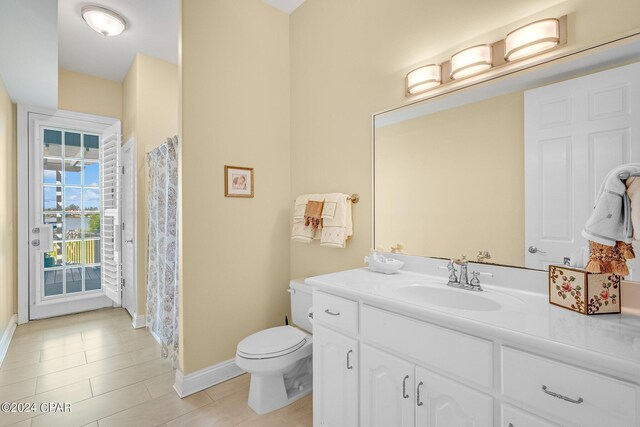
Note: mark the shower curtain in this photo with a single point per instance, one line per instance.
(162, 265)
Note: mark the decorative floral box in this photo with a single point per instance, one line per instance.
(586, 293)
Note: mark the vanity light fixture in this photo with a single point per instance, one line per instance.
(524, 42)
(531, 39)
(103, 20)
(470, 61)
(423, 78)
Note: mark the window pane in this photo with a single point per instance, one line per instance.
(92, 278)
(52, 198)
(91, 174)
(52, 171)
(52, 143)
(92, 251)
(91, 225)
(73, 226)
(72, 172)
(53, 258)
(72, 199)
(91, 147)
(56, 222)
(91, 199)
(73, 252)
(72, 144)
(74, 279)
(53, 282)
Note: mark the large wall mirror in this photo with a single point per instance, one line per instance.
(511, 167)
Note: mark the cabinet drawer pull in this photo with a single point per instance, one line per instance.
(559, 396)
(404, 387)
(418, 402)
(329, 312)
(349, 365)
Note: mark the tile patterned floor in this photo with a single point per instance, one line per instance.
(113, 375)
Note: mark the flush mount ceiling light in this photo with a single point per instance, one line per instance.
(470, 61)
(423, 78)
(103, 21)
(532, 39)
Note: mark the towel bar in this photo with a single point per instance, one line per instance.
(355, 198)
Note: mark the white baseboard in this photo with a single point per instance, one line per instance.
(139, 321)
(6, 337)
(194, 382)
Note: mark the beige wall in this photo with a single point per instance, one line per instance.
(8, 210)
(150, 116)
(451, 183)
(87, 94)
(235, 111)
(349, 59)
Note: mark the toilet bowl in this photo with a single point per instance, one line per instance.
(279, 359)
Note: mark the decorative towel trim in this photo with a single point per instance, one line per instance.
(313, 214)
(610, 259)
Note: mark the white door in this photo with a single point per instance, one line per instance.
(386, 390)
(67, 215)
(441, 402)
(335, 379)
(575, 132)
(129, 273)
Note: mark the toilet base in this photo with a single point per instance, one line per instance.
(268, 392)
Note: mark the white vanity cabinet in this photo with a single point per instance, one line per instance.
(387, 392)
(374, 367)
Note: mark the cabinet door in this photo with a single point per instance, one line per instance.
(386, 390)
(335, 379)
(512, 417)
(444, 403)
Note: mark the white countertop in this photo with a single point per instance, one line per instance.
(608, 343)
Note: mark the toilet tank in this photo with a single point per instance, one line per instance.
(301, 302)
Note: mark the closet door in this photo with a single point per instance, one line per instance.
(111, 225)
(576, 131)
(441, 402)
(386, 390)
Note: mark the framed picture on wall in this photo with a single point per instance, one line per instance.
(238, 181)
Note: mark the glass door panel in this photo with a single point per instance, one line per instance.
(71, 204)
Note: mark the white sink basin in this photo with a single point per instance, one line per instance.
(448, 297)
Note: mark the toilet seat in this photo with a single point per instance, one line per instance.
(271, 343)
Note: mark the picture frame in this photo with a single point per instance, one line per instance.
(238, 181)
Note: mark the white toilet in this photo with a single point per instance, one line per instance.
(279, 359)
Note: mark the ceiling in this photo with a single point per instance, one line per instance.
(152, 29)
(287, 6)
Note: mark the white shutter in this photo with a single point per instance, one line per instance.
(110, 206)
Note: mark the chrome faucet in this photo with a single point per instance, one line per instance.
(463, 282)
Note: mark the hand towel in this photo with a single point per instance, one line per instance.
(633, 191)
(300, 205)
(330, 205)
(313, 214)
(336, 231)
(610, 228)
(300, 232)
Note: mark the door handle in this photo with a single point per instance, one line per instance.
(404, 387)
(349, 365)
(418, 402)
(534, 250)
(129, 241)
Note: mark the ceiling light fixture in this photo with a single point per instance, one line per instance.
(524, 42)
(423, 78)
(470, 61)
(532, 39)
(103, 21)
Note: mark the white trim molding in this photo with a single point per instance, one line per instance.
(6, 337)
(138, 321)
(194, 382)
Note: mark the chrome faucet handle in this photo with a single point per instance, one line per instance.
(453, 279)
(474, 284)
(461, 261)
